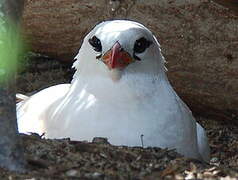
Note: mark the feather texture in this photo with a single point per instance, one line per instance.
(139, 101)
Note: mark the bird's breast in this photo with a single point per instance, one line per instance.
(120, 116)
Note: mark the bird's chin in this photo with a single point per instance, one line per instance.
(115, 74)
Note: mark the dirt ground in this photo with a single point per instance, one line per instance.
(65, 159)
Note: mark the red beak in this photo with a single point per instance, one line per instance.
(116, 57)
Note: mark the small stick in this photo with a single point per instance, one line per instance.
(141, 138)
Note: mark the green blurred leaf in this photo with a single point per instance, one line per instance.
(10, 48)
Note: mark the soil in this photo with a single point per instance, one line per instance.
(66, 159)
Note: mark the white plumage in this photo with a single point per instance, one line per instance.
(119, 91)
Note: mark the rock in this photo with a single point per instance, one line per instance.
(198, 39)
(100, 140)
(71, 173)
(57, 27)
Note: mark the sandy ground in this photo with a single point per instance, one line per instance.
(65, 159)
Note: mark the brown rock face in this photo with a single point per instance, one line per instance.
(199, 40)
(231, 4)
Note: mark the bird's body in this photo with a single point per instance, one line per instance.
(123, 100)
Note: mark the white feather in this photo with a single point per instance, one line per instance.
(140, 102)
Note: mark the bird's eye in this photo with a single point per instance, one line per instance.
(96, 43)
(141, 45)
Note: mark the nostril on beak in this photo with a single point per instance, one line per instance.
(98, 56)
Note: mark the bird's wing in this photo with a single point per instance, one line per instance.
(30, 113)
(202, 141)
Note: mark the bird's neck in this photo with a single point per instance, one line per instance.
(129, 86)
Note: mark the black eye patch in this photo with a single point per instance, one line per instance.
(95, 43)
(141, 45)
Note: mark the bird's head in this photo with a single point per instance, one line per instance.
(119, 47)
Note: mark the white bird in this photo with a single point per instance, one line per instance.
(119, 91)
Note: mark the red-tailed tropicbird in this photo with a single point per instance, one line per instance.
(120, 91)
